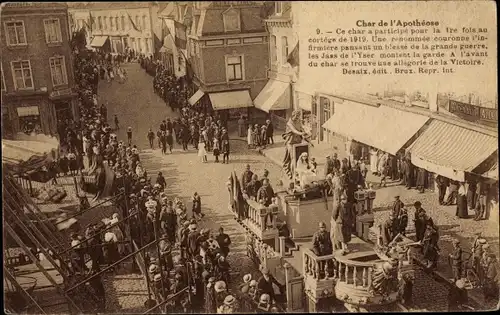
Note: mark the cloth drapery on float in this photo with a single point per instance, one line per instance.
(28, 154)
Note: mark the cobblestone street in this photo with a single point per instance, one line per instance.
(137, 106)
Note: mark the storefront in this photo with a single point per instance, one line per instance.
(101, 43)
(230, 105)
(359, 126)
(65, 104)
(451, 150)
(274, 100)
(30, 113)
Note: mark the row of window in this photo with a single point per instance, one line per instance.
(22, 74)
(117, 23)
(274, 49)
(140, 45)
(15, 32)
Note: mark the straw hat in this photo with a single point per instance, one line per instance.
(247, 278)
(153, 268)
(229, 300)
(265, 298)
(157, 277)
(460, 283)
(220, 286)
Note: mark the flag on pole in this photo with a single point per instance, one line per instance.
(92, 22)
(180, 35)
(133, 23)
(293, 58)
(165, 31)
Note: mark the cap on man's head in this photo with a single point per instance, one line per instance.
(396, 197)
(322, 225)
(417, 204)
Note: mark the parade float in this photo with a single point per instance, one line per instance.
(370, 277)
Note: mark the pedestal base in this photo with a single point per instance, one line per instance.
(303, 216)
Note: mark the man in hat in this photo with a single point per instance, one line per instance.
(265, 284)
(246, 177)
(197, 207)
(477, 253)
(322, 243)
(210, 301)
(329, 168)
(420, 219)
(253, 187)
(160, 180)
(192, 241)
(228, 306)
(456, 260)
(491, 283)
(342, 223)
(224, 241)
(129, 135)
(396, 207)
(269, 132)
(222, 268)
(245, 286)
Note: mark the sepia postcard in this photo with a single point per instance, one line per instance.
(249, 157)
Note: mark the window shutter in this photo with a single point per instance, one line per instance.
(45, 26)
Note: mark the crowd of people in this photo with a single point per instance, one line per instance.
(168, 87)
(186, 256)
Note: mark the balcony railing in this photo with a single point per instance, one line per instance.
(261, 220)
(351, 280)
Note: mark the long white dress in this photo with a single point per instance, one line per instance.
(306, 175)
(201, 149)
(249, 136)
(373, 161)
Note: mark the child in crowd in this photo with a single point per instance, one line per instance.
(216, 150)
(201, 150)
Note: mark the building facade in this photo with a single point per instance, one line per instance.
(228, 51)
(277, 97)
(172, 57)
(116, 26)
(37, 68)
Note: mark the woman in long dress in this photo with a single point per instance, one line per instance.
(381, 163)
(250, 136)
(462, 211)
(202, 153)
(304, 171)
(373, 161)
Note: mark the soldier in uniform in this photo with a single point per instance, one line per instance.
(397, 207)
(456, 260)
(265, 196)
(246, 177)
(420, 219)
(322, 244)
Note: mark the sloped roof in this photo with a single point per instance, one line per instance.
(168, 10)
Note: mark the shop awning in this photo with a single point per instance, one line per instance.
(196, 97)
(29, 153)
(273, 96)
(384, 128)
(229, 100)
(451, 150)
(492, 172)
(98, 41)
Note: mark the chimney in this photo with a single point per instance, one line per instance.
(432, 99)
